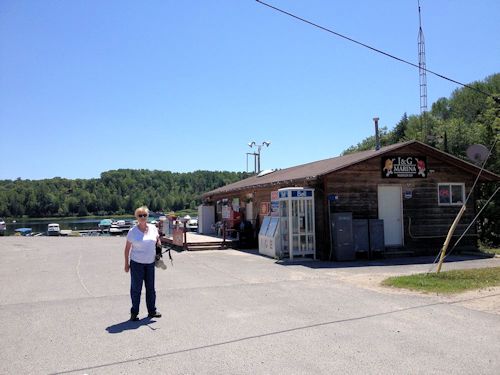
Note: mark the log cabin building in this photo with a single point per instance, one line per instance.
(415, 189)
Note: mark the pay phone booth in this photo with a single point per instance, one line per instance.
(292, 233)
(296, 206)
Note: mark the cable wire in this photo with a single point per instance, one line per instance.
(481, 171)
(466, 200)
(473, 220)
(465, 231)
(497, 99)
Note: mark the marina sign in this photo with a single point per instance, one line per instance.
(404, 167)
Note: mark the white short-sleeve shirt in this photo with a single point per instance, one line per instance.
(143, 244)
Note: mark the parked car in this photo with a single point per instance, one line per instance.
(3, 227)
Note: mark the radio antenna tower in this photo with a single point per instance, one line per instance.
(422, 75)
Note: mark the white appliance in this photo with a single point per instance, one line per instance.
(269, 237)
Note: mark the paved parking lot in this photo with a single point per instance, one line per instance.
(64, 306)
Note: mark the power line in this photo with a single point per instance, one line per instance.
(497, 99)
(465, 204)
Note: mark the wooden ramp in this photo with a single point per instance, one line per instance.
(195, 241)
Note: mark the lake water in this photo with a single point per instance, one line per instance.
(40, 225)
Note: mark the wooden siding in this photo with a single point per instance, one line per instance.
(425, 222)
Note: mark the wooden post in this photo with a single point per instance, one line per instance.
(184, 245)
(448, 237)
(224, 233)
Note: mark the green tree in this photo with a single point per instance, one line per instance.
(399, 132)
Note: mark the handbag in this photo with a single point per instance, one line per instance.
(159, 250)
(159, 253)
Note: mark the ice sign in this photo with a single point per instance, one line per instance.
(283, 194)
(299, 193)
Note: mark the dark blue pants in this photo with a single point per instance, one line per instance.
(138, 273)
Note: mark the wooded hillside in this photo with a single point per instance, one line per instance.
(115, 192)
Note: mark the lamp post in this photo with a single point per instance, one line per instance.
(257, 154)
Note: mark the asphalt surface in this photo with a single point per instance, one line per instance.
(64, 308)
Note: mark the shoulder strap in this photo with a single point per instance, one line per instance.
(170, 256)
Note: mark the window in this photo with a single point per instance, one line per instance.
(451, 194)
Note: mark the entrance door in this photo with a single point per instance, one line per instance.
(390, 209)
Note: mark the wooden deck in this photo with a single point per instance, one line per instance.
(195, 241)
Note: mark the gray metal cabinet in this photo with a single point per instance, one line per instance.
(377, 242)
(360, 235)
(342, 239)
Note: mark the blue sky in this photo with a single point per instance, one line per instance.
(90, 86)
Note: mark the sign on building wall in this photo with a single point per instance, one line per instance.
(264, 208)
(236, 204)
(274, 203)
(404, 167)
(226, 212)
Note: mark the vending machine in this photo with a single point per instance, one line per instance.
(297, 226)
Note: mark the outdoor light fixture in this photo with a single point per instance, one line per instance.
(256, 154)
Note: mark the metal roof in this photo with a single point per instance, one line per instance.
(311, 171)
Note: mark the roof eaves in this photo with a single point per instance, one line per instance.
(382, 151)
(272, 183)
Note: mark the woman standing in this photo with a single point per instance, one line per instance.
(140, 260)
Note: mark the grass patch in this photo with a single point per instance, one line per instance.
(448, 282)
(489, 250)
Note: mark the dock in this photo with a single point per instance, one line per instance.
(195, 241)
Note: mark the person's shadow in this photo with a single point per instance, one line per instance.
(129, 325)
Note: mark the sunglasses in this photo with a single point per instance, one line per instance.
(142, 215)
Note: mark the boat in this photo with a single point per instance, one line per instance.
(191, 223)
(3, 227)
(53, 229)
(115, 230)
(105, 224)
(24, 231)
(119, 227)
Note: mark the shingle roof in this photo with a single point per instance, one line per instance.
(322, 167)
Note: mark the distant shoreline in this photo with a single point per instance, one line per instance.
(120, 216)
(55, 218)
